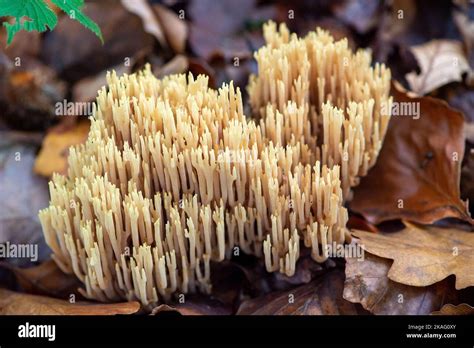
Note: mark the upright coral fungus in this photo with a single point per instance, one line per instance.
(173, 175)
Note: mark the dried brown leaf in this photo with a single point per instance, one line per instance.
(55, 149)
(423, 256)
(13, 303)
(367, 283)
(461, 309)
(174, 28)
(195, 305)
(45, 279)
(151, 24)
(416, 176)
(320, 297)
(440, 62)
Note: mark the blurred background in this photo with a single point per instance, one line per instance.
(48, 80)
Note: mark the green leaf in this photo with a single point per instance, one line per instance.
(38, 15)
(33, 15)
(73, 8)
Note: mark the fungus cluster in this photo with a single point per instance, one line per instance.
(173, 175)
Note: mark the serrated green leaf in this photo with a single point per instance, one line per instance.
(33, 15)
(73, 8)
(38, 15)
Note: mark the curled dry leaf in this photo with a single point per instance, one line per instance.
(424, 255)
(440, 62)
(174, 28)
(45, 279)
(359, 223)
(449, 309)
(416, 176)
(55, 149)
(196, 305)
(150, 23)
(320, 297)
(13, 303)
(367, 283)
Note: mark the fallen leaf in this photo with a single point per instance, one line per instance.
(461, 309)
(13, 303)
(320, 297)
(195, 305)
(174, 28)
(150, 23)
(74, 52)
(440, 62)
(367, 283)
(52, 157)
(22, 195)
(358, 223)
(423, 256)
(416, 176)
(45, 279)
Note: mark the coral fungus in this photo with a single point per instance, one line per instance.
(173, 175)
